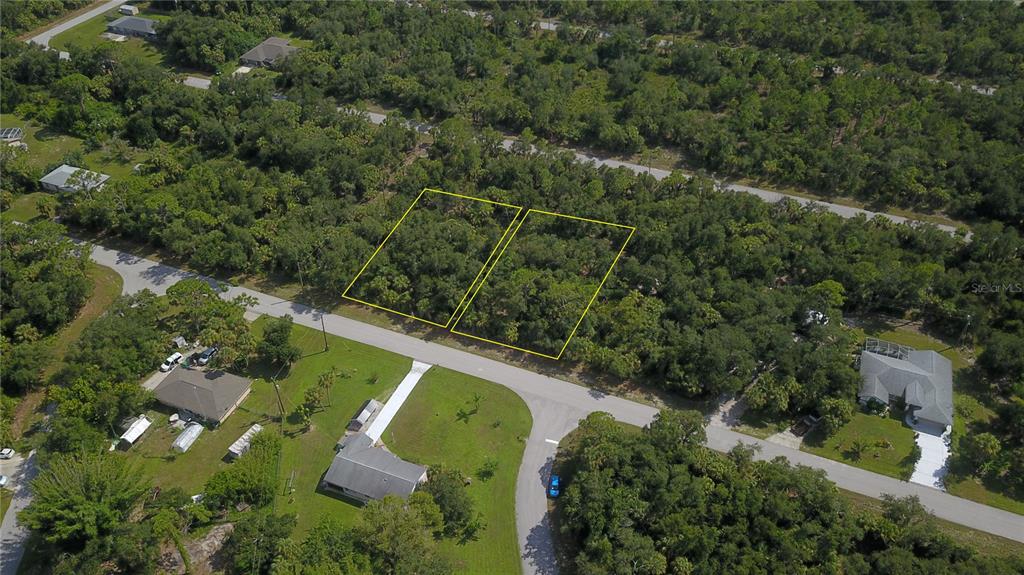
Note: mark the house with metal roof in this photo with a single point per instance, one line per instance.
(71, 179)
(210, 395)
(922, 379)
(133, 26)
(364, 471)
(267, 52)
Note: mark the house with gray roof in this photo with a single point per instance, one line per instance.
(267, 52)
(922, 379)
(71, 179)
(364, 472)
(133, 26)
(211, 395)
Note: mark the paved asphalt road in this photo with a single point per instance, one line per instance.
(43, 38)
(557, 406)
(13, 536)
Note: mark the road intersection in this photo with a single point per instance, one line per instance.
(557, 406)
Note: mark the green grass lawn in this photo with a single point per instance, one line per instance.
(872, 431)
(757, 425)
(306, 455)
(88, 34)
(23, 208)
(463, 422)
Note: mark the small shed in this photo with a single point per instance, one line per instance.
(128, 10)
(134, 431)
(179, 342)
(364, 415)
(187, 437)
(241, 445)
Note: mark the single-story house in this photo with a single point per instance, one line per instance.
(210, 395)
(71, 179)
(134, 431)
(267, 52)
(922, 379)
(133, 26)
(365, 413)
(128, 10)
(11, 134)
(363, 471)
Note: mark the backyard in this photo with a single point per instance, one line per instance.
(479, 428)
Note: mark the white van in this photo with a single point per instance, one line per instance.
(170, 362)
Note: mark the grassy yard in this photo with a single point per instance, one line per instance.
(23, 209)
(306, 454)
(885, 443)
(465, 422)
(88, 34)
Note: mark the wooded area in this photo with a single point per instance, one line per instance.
(713, 292)
(430, 261)
(661, 503)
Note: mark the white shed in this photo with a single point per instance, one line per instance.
(135, 431)
(187, 437)
(241, 445)
(129, 10)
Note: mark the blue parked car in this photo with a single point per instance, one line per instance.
(555, 487)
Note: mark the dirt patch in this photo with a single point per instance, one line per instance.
(204, 553)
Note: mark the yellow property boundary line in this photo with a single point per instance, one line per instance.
(519, 210)
(586, 310)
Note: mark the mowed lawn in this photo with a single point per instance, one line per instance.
(465, 422)
(886, 444)
(306, 454)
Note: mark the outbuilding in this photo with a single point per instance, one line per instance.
(128, 10)
(187, 437)
(71, 179)
(134, 431)
(241, 445)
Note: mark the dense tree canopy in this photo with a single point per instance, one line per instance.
(658, 503)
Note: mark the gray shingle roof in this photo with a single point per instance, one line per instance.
(269, 50)
(924, 380)
(372, 471)
(210, 394)
(134, 23)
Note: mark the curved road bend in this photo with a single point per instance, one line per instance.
(44, 37)
(557, 406)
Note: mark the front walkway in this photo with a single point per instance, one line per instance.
(387, 413)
